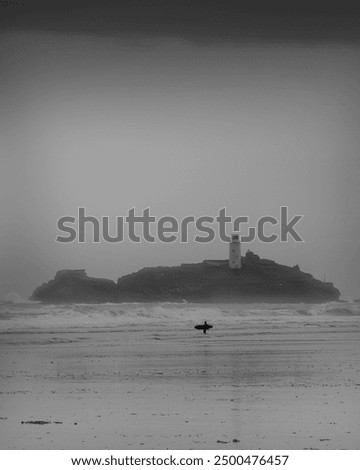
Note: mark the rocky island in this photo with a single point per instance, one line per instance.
(239, 279)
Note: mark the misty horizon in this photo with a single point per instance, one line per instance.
(169, 108)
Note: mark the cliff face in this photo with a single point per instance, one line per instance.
(210, 281)
(75, 286)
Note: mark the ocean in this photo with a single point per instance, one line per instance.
(34, 316)
(138, 375)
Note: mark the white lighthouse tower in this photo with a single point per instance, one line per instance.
(235, 252)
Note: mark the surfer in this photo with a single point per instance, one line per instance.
(203, 327)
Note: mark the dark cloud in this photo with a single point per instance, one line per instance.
(194, 20)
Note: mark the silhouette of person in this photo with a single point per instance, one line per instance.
(205, 327)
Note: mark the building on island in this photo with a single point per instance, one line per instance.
(235, 252)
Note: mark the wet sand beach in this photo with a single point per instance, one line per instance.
(244, 385)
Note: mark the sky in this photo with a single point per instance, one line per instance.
(185, 108)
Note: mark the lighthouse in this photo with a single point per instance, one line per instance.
(235, 252)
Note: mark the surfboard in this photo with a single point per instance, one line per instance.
(203, 327)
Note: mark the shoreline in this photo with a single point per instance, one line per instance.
(154, 388)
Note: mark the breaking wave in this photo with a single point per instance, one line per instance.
(32, 316)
